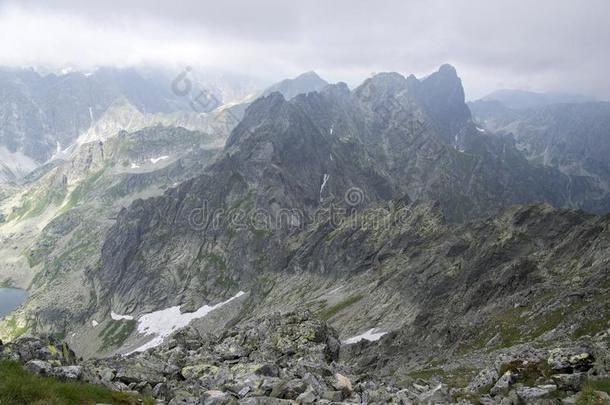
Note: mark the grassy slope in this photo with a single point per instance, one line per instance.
(18, 387)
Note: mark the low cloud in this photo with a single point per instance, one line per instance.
(558, 45)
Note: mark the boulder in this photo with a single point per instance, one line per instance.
(343, 384)
(215, 397)
(69, 373)
(485, 378)
(503, 384)
(38, 367)
(289, 389)
(569, 360)
(570, 382)
(530, 394)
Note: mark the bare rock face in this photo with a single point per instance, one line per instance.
(288, 159)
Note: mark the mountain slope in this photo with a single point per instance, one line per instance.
(303, 83)
(54, 228)
(571, 137)
(289, 162)
(42, 116)
(326, 200)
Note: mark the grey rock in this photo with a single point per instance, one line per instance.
(71, 373)
(343, 384)
(569, 382)
(570, 359)
(162, 391)
(307, 397)
(530, 394)
(503, 384)
(38, 367)
(214, 397)
(289, 389)
(486, 377)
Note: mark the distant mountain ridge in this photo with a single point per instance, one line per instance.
(520, 99)
(572, 137)
(303, 83)
(41, 116)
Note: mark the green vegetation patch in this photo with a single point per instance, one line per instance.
(591, 328)
(18, 387)
(588, 396)
(9, 328)
(335, 309)
(116, 332)
(35, 204)
(514, 329)
(81, 191)
(528, 373)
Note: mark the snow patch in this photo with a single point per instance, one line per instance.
(16, 163)
(158, 159)
(326, 177)
(94, 323)
(118, 317)
(91, 114)
(134, 166)
(480, 129)
(369, 335)
(334, 291)
(162, 323)
(332, 128)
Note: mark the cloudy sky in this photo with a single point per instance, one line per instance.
(552, 45)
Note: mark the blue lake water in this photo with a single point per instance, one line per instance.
(10, 299)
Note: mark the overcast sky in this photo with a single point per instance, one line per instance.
(553, 45)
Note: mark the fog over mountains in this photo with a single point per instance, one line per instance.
(249, 230)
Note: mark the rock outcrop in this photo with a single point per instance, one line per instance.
(295, 358)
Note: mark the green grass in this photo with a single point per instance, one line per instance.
(591, 328)
(86, 186)
(10, 328)
(116, 332)
(513, 329)
(588, 395)
(18, 387)
(528, 373)
(34, 204)
(426, 374)
(335, 309)
(600, 385)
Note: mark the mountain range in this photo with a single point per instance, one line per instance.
(434, 241)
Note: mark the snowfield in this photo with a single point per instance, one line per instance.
(162, 323)
(118, 317)
(158, 159)
(369, 335)
(16, 163)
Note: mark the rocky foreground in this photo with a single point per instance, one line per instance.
(297, 358)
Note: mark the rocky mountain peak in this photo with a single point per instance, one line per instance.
(447, 70)
(381, 86)
(304, 83)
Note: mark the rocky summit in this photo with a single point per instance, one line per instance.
(296, 358)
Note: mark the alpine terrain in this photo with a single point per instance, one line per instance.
(309, 243)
